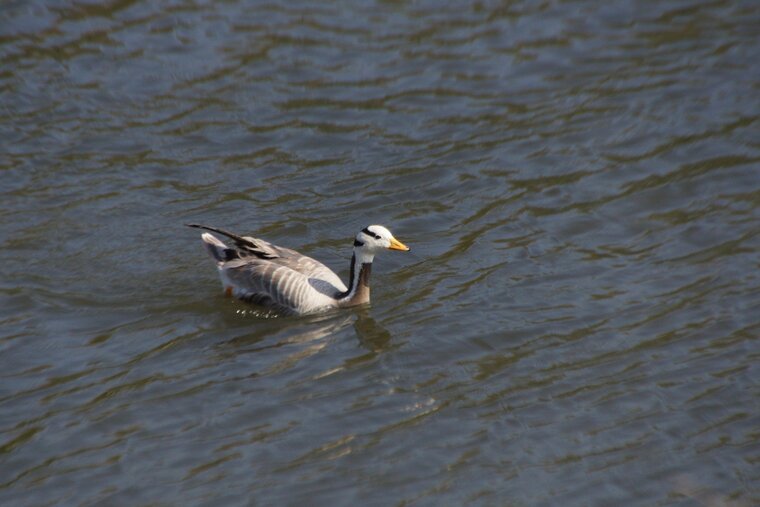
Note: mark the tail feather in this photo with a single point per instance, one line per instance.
(246, 245)
(217, 249)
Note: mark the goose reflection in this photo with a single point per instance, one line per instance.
(279, 332)
(371, 335)
(307, 337)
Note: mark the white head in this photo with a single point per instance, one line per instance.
(374, 239)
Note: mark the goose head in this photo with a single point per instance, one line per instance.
(375, 238)
(369, 241)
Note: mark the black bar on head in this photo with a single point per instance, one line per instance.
(370, 233)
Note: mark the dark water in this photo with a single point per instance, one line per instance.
(577, 322)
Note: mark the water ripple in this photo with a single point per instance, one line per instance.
(577, 318)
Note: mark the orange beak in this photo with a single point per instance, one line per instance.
(397, 245)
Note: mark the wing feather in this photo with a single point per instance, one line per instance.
(286, 288)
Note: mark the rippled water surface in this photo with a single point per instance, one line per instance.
(577, 322)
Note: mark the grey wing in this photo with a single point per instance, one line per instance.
(311, 268)
(270, 283)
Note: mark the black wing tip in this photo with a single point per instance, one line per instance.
(208, 228)
(240, 241)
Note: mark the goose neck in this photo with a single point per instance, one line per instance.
(358, 289)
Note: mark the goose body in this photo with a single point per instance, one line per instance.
(259, 272)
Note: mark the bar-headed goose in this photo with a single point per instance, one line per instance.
(259, 272)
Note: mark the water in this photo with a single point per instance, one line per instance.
(577, 322)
